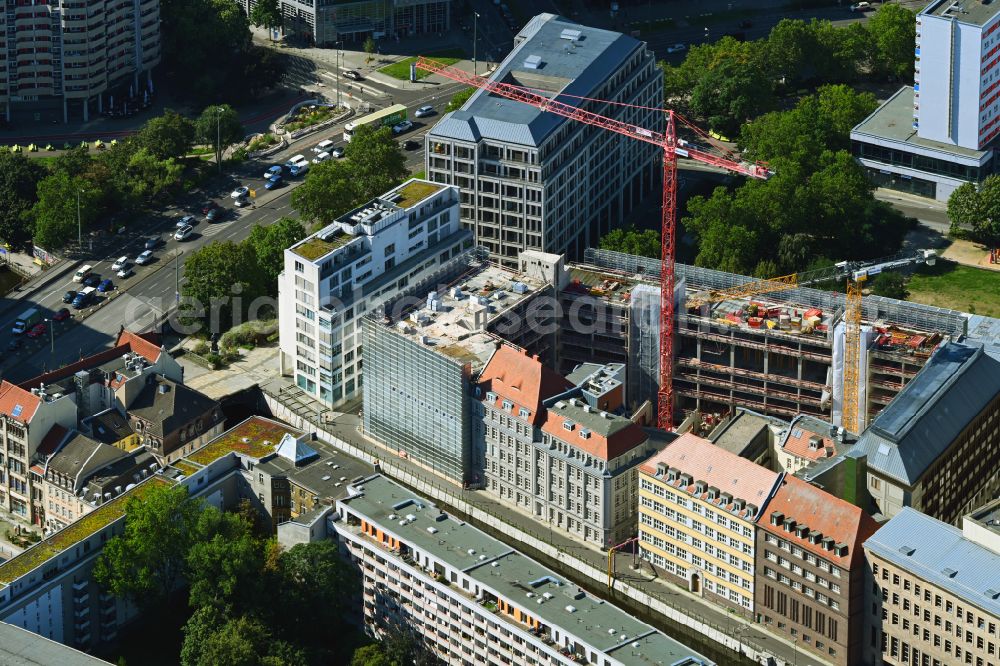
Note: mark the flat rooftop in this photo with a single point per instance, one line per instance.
(988, 516)
(543, 593)
(456, 325)
(893, 121)
(555, 55)
(974, 12)
(326, 476)
(73, 533)
(255, 437)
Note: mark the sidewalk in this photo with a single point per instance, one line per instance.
(696, 620)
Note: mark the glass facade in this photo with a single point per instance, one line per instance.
(895, 181)
(930, 165)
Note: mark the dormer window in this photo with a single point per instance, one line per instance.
(568, 425)
(523, 413)
(491, 397)
(507, 404)
(585, 433)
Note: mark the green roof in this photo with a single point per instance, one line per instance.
(415, 191)
(316, 247)
(186, 466)
(74, 533)
(256, 437)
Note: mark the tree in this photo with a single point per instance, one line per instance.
(890, 284)
(224, 565)
(212, 639)
(376, 161)
(977, 209)
(371, 655)
(55, 213)
(218, 272)
(19, 178)
(732, 92)
(314, 586)
(146, 563)
(149, 176)
(169, 135)
(73, 162)
(262, 69)
(370, 48)
(269, 244)
(791, 49)
(219, 126)
(893, 29)
(645, 243)
(327, 191)
(459, 98)
(267, 13)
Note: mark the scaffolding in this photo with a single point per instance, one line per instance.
(876, 308)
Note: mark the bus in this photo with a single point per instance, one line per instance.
(385, 118)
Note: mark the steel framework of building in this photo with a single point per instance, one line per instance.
(668, 142)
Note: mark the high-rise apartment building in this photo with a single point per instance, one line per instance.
(937, 598)
(394, 244)
(811, 572)
(931, 138)
(532, 180)
(697, 507)
(471, 599)
(75, 51)
(555, 451)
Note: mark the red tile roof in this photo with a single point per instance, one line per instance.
(619, 442)
(12, 397)
(145, 345)
(50, 443)
(822, 512)
(717, 467)
(797, 443)
(522, 379)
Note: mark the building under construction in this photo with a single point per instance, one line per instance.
(780, 353)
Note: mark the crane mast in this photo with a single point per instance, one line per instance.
(666, 141)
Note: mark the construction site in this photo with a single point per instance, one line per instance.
(780, 353)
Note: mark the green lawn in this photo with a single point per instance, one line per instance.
(401, 70)
(957, 287)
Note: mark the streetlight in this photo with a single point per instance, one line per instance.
(475, 41)
(177, 276)
(218, 136)
(339, 56)
(79, 223)
(52, 337)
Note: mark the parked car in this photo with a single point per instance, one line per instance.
(152, 242)
(207, 207)
(183, 233)
(861, 7)
(92, 280)
(404, 126)
(38, 330)
(410, 144)
(105, 286)
(61, 315)
(119, 264)
(677, 48)
(323, 146)
(144, 258)
(125, 272)
(214, 214)
(322, 157)
(274, 171)
(82, 274)
(69, 296)
(424, 111)
(272, 183)
(240, 192)
(353, 75)
(185, 221)
(337, 152)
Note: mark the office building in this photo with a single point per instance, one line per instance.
(930, 138)
(397, 243)
(532, 180)
(555, 452)
(351, 22)
(422, 360)
(697, 508)
(936, 448)
(76, 55)
(474, 600)
(812, 575)
(937, 599)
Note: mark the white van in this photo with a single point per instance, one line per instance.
(322, 157)
(82, 274)
(295, 160)
(323, 146)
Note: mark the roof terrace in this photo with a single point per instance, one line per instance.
(255, 437)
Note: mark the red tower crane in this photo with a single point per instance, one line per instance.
(671, 147)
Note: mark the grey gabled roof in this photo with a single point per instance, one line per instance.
(81, 457)
(939, 554)
(576, 67)
(953, 388)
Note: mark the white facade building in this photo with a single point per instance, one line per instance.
(387, 247)
(474, 600)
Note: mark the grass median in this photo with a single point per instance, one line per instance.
(401, 70)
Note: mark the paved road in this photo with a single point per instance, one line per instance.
(139, 300)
